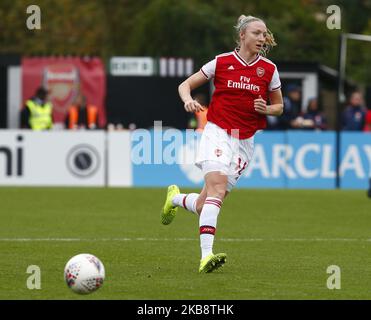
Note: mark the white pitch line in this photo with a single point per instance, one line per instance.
(183, 239)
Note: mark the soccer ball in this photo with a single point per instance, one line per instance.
(84, 273)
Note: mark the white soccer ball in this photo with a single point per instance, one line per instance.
(84, 273)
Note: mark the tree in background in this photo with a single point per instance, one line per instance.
(67, 27)
(197, 28)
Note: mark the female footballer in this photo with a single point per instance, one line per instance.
(244, 81)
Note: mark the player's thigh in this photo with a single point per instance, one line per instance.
(214, 146)
(240, 161)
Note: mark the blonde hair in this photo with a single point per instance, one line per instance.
(242, 23)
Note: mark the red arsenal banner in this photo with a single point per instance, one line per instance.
(65, 77)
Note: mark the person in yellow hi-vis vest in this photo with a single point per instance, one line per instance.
(37, 113)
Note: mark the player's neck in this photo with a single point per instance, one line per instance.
(246, 55)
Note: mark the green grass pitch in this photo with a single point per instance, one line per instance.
(279, 244)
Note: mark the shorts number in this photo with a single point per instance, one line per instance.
(240, 167)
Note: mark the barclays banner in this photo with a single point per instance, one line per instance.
(355, 166)
(160, 157)
(292, 159)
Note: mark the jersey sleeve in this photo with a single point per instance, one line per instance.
(275, 83)
(208, 69)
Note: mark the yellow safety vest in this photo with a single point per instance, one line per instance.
(41, 116)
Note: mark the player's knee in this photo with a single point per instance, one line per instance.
(217, 191)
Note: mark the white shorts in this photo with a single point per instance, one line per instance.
(218, 151)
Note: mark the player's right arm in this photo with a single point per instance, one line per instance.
(185, 88)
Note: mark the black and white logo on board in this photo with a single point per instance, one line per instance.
(83, 161)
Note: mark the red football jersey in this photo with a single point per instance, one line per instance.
(237, 84)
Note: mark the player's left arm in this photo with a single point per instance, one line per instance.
(275, 108)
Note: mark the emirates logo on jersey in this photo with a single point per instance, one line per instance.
(260, 71)
(218, 152)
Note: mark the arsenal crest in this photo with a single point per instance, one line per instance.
(260, 71)
(63, 81)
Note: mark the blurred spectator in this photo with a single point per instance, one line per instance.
(198, 120)
(120, 127)
(367, 127)
(312, 119)
(132, 126)
(192, 122)
(82, 115)
(291, 110)
(353, 117)
(37, 112)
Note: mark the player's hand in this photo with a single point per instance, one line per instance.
(260, 105)
(193, 106)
